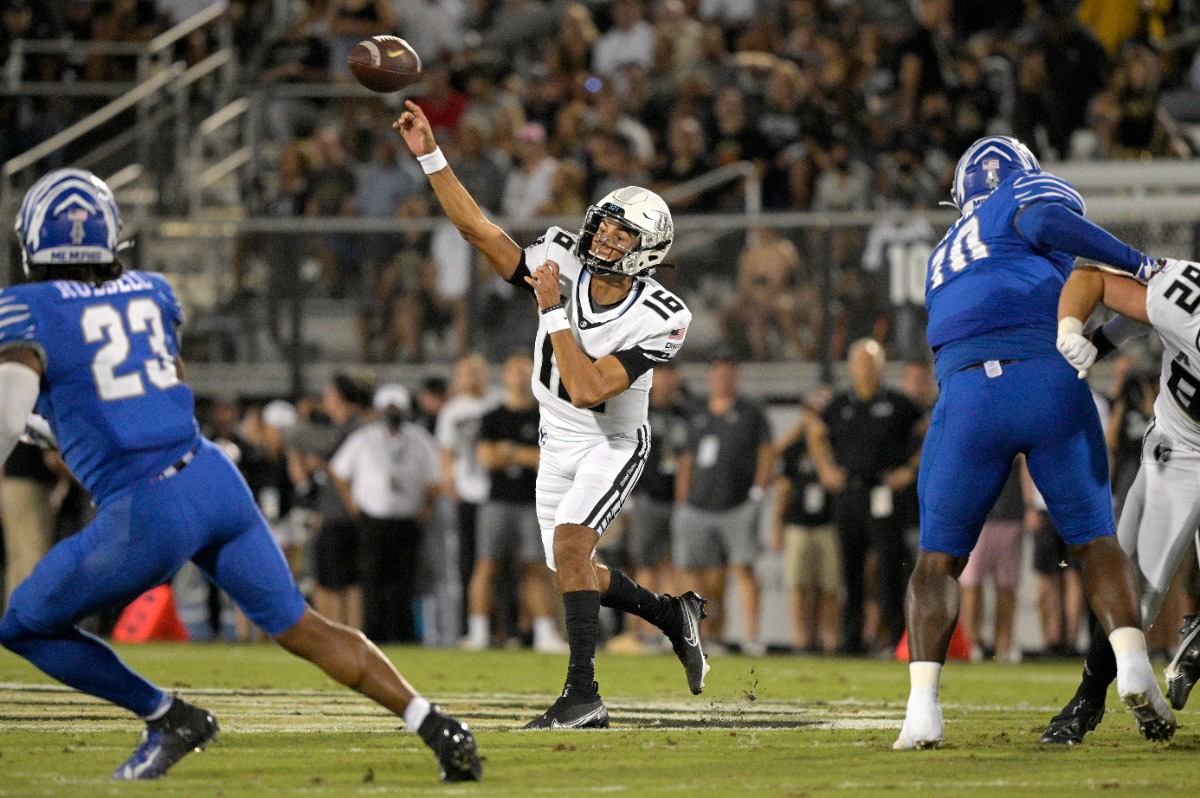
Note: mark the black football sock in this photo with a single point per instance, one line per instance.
(1099, 666)
(582, 611)
(628, 596)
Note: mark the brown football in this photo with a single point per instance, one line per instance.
(385, 64)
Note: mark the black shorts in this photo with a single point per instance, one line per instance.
(337, 555)
(1049, 550)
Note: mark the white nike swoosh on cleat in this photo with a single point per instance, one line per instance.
(575, 724)
(691, 633)
(1173, 670)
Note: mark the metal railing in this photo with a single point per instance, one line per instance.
(151, 55)
(204, 176)
(129, 100)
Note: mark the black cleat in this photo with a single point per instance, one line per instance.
(574, 710)
(685, 639)
(1184, 670)
(453, 745)
(185, 728)
(1080, 716)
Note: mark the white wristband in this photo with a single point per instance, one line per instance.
(433, 162)
(556, 321)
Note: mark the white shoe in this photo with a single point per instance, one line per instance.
(1141, 695)
(922, 728)
(469, 644)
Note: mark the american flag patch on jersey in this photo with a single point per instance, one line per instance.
(677, 335)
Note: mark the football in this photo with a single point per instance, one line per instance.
(385, 64)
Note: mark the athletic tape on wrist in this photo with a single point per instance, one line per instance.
(433, 162)
(1070, 324)
(556, 320)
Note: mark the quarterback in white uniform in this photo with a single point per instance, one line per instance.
(1162, 509)
(603, 326)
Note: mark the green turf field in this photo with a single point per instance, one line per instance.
(772, 726)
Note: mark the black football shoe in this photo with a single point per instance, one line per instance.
(1184, 670)
(574, 709)
(453, 745)
(183, 729)
(1080, 716)
(685, 639)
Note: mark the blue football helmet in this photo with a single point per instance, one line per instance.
(986, 164)
(68, 218)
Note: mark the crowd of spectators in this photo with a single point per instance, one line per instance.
(544, 106)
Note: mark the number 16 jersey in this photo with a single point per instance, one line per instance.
(646, 328)
(110, 389)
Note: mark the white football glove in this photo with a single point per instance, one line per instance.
(38, 433)
(1079, 351)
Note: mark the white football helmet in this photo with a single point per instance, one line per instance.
(640, 211)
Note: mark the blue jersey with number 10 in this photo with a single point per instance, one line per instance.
(110, 390)
(990, 293)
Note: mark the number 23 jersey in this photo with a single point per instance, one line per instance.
(1172, 302)
(646, 328)
(110, 389)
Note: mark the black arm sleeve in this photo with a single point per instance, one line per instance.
(520, 273)
(637, 361)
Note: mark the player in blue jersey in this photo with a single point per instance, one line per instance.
(992, 294)
(95, 353)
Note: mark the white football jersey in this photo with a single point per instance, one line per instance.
(1172, 301)
(651, 322)
(901, 244)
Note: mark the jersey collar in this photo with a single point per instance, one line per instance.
(583, 303)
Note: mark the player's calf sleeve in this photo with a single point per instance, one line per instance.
(628, 596)
(582, 616)
(1100, 664)
(79, 660)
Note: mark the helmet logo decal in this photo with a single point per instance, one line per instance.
(991, 167)
(662, 222)
(77, 218)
